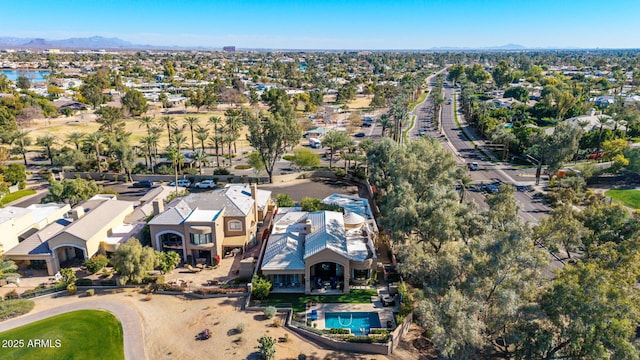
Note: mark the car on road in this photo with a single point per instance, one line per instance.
(360, 134)
(142, 184)
(493, 189)
(474, 166)
(205, 184)
(366, 124)
(181, 182)
(422, 133)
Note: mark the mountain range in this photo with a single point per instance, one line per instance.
(94, 42)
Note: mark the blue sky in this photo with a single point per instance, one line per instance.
(329, 24)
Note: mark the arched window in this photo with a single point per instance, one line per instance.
(235, 225)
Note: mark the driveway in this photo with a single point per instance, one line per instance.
(129, 318)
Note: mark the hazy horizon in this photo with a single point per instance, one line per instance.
(339, 25)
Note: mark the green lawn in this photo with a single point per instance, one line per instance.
(84, 334)
(630, 198)
(16, 195)
(298, 301)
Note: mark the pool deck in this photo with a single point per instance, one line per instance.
(384, 313)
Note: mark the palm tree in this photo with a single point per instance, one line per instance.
(169, 122)
(465, 181)
(385, 122)
(21, 139)
(75, 138)
(216, 141)
(215, 121)
(229, 137)
(602, 121)
(504, 137)
(234, 124)
(147, 143)
(179, 139)
(334, 139)
(200, 157)
(191, 121)
(155, 133)
(47, 141)
(176, 158)
(95, 139)
(147, 122)
(202, 134)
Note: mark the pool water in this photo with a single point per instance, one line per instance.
(360, 323)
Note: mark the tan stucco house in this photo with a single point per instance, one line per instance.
(320, 252)
(98, 225)
(208, 225)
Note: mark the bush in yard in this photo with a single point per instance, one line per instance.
(311, 204)
(240, 328)
(90, 292)
(284, 200)
(267, 347)
(302, 357)
(270, 311)
(221, 171)
(84, 282)
(72, 288)
(68, 275)
(260, 288)
(95, 263)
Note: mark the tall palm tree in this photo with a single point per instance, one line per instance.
(216, 141)
(75, 138)
(191, 121)
(147, 142)
(200, 157)
(215, 122)
(202, 134)
(385, 122)
(21, 140)
(334, 139)
(234, 124)
(229, 137)
(95, 139)
(602, 121)
(465, 181)
(169, 122)
(155, 133)
(147, 122)
(179, 140)
(47, 141)
(176, 158)
(504, 137)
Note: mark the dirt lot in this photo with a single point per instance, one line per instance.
(171, 323)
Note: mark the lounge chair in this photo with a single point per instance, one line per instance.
(314, 315)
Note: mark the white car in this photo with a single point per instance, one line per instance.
(205, 184)
(181, 182)
(474, 166)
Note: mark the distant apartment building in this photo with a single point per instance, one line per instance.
(229, 48)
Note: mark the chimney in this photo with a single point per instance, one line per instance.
(158, 207)
(308, 227)
(254, 196)
(77, 213)
(254, 191)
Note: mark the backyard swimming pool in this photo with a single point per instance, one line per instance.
(360, 323)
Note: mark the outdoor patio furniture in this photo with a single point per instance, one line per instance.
(191, 269)
(314, 315)
(388, 300)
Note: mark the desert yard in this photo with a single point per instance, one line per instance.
(171, 324)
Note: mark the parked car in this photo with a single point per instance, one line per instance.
(474, 166)
(366, 124)
(360, 134)
(205, 184)
(142, 184)
(493, 189)
(181, 182)
(421, 133)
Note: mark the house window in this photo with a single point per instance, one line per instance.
(200, 239)
(235, 225)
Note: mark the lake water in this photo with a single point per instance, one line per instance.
(33, 75)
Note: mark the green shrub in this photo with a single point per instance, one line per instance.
(260, 288)
(284, 200)
(90, 292)
(302, 357)
(13, 308)
(380, 331)
(336, 331)
(190, 171)
(22, 184)
(360, 339)
(269, 312)
(72, 288)
(84, 282)
(221, 171)
(340, 172)
(289, 157)
(311, 204)
(242, 167)
(95, 263)
(109, 282)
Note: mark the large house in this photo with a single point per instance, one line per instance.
(206, 226)
(321, 251)
(98, 226)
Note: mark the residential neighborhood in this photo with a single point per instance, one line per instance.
(319, 181)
